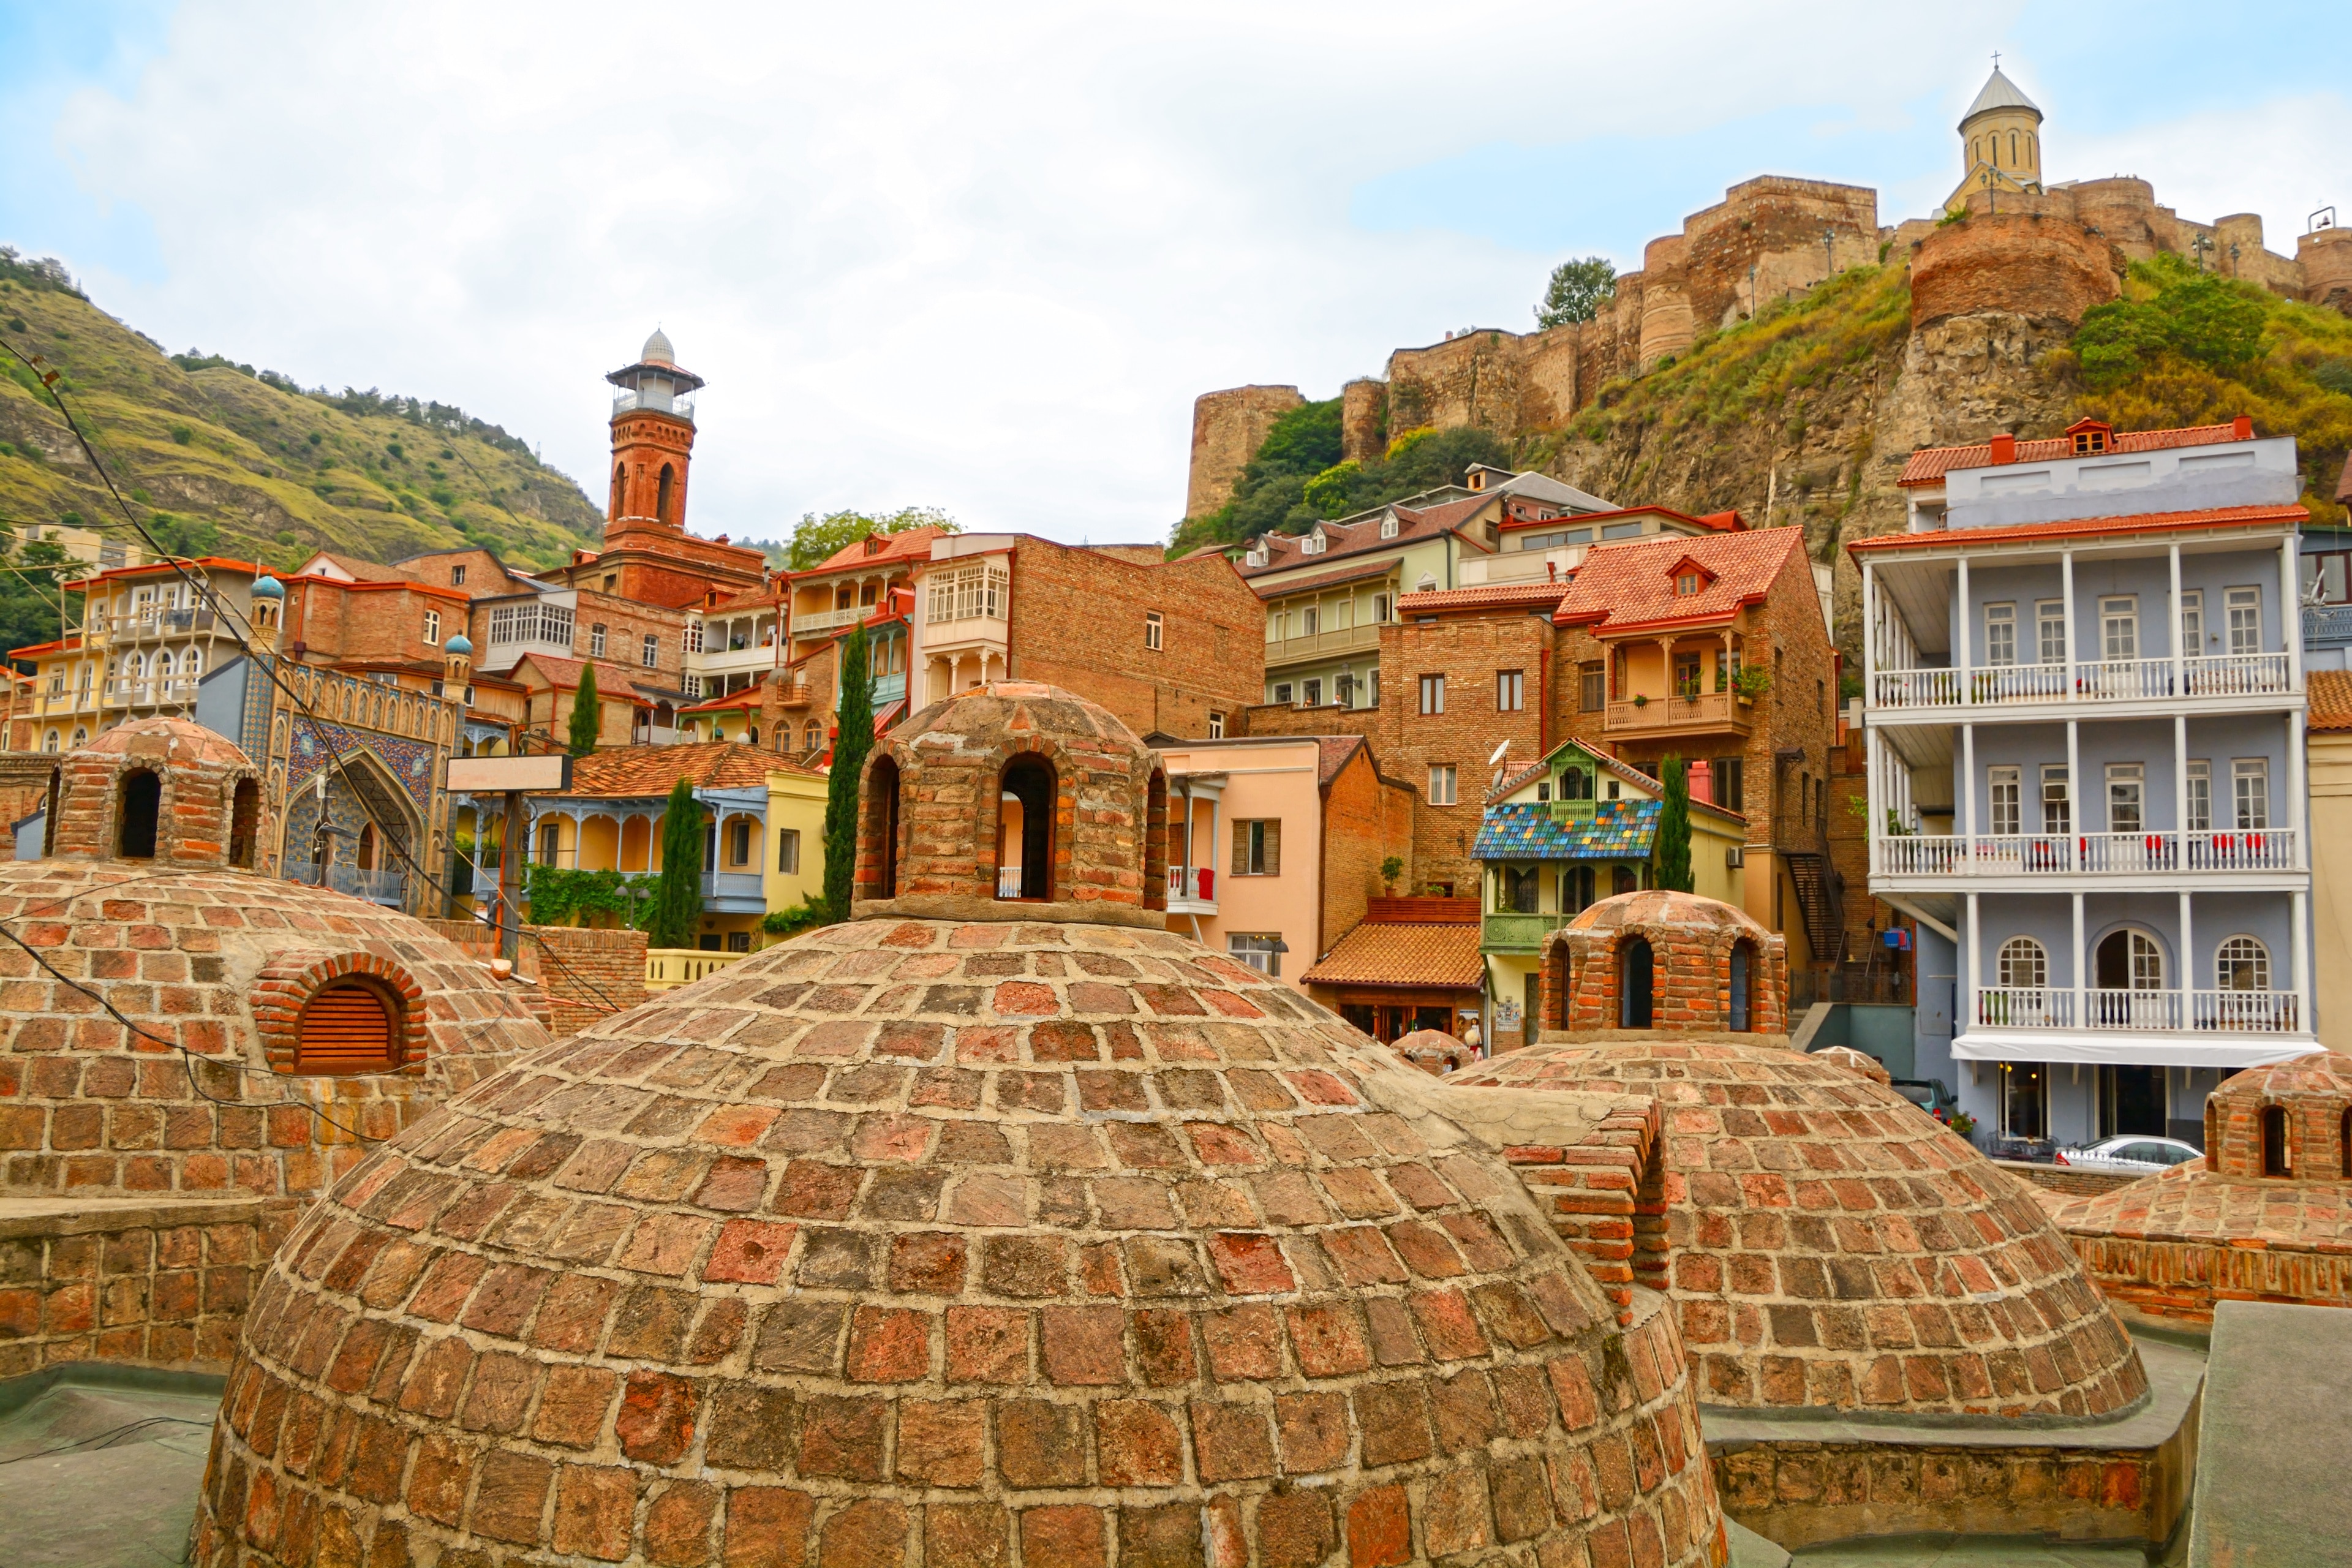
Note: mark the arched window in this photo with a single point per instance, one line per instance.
(244, 823)
(1634, 966)
(2012, 149)
(1622, 880)
(882, 819)
(1743, 969)
(80, 737)
(1576, 889)
(814, 735)
(348, 1026)
(192, 662)
(52, 741)
(2024, 966)
(2278, 1159)
(752, 735)
(2242, 963)
(620, 471)
(162, 664)
(367, 847)
(2128, 959)
(142, 800)
(661, 494)
(1024, 829)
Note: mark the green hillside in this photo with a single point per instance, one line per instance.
(221, 458)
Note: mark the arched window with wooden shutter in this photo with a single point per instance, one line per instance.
(348, 1026)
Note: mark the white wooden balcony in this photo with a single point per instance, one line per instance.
(2107, 681)
(2093, 855)
(1191, 890)
(2146, 1012)
(816, 623)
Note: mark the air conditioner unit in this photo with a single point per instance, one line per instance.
(1735, 858)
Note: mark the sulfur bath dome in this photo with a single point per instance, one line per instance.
(995, 1241)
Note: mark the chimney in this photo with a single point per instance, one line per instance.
(2004, 449)
(2242, 429)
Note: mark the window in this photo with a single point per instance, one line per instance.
(1343, 688)
(1686, 583)
(1380, 607)
(2250, 782)
(2024, 966)
(348, 1026)
(550, 839)
(2050, 630)
(1312, 544)
(1258, 847)
(1575, 783)
(142, 800)
(2086, 442)
(1217, 726)
(2200, 797)
(1730, 783)
(51, 741)
(2025, 1099)
(457, 576)
(1592, 685)
(969, 592)
(2245, 609)
(2119, 627)
(596, 641)
(2057, 815)
(2000, 634)
(2242, 963)
(1028, 799)
(690, 684)
(691, 638)
(2325, 580)
(738, 942)
(1687, 677)
(1441, 786)
(1389, 526)
(649, 650)
(1310, 691)
(739, 842)
(432, 628)
(1282, 692)
(1310, 620)
(1274, 626)
(1427, 583)
(814, 736)
(1373, 689)
(1261, 950)
(2001, 788)
(2124, 784)
(1433, 694)
(1510, 690)
(1151, 630)
(2192, 621)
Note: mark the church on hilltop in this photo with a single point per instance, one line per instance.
(2002, 135)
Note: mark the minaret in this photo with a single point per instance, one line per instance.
(456, 667)
(653, 438)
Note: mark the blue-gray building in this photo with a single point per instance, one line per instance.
(2083, 709)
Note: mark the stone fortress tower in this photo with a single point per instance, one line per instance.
(979, 1231)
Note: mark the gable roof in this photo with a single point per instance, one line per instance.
(360, 571)
(1599, 755)
(914, 544)
(1706, 522)
(1630, 584)
(640, 771)
(1343, 539)
(1546, 594)
(1379, 953)
(614, 684)
(1928, 465)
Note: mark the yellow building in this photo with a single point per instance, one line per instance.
(1574, 827)
(2001, 143)
(795, 871)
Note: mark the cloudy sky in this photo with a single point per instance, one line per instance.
(985, 257)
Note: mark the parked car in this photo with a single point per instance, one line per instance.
(1928, 1094)
(2032, 1151)
(2137, 1153)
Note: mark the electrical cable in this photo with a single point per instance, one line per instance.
(225, 613)
(107, 1439)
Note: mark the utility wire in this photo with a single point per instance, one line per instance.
(225, 613)
(107, 1439)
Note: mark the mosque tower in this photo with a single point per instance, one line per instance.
(2000, 142)
(653, 438)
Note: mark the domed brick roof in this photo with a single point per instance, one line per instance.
(1827, 1243)
(161, 741)
(961, 1241)
(1664, 907)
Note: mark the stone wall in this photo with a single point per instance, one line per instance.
(2025, 264)
(1493, 379)
(162, 1283)
(2182, 1280)
(1605, 1195)
(2073, 1181)
(1366, 819)
(1227, 428)
(588, 974)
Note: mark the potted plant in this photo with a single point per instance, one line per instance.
(1752, 681)
(1391, 869)
(1641, 701)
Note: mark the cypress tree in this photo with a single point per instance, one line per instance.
(1673, 855)
(678, 897)
(849, 753)
(587, 714)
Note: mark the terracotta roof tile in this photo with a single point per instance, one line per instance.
(1928, 465)
(1283, 552)
(1326, 579)
(2145, 522)
(612, 682)
(1630, 584)
(2329, 692)
(642, 771)
(1489, 596)
(914, 544)
(1713, 522)
(1385, 955)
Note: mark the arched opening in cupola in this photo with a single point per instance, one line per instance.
(1024, 829)
(143, 801)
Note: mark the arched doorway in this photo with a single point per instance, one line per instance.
(1024, 829)
(882, 819)
(1634, 966)
(244, 823)
(2276, 1160)
(2127, 972)
(142, 800)
(1743, 965)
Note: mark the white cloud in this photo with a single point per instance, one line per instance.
(2283, 159)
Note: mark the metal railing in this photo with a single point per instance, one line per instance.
(1186, 884)
(666, 968)
(2051, 1007)
(2086, 854)
(388, 888)
(2023, 1007)
(2327, 624)
(1511, 931)
(2095, 680)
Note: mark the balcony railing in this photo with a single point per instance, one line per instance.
(1509, 931)
(2085, 854)
(173, 688)
(1365, 639)
(1708, 710)
(666, 968)
(1192, 889)
(2051, 1007)
(387, 888)
(2101, 680)
(167, 623)
(2327, 624)
(815, 621)
(733, 885)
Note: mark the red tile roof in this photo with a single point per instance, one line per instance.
(1490, 595)
(614, 684)
(641, 771)
(1928, 465)
(914, 544)
(1629, 584)
(1325, 579)
(2329, 692)
(1283, 552)
(1378, 954)
(2146, 522)
(1713, 522)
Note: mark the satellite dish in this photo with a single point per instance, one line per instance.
(1497, 757)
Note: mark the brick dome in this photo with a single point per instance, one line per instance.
(2286, 1120)
(223, 964)
(1827, 1243)
(977, 1243)
(1662, 960)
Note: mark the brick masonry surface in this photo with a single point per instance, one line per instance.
(1693, 942)
(1827, 1244)
(951, 1244)
(162, 1284)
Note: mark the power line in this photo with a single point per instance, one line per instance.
(225, 613)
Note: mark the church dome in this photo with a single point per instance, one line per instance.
(1033, 1235)
(657, 349)
(1826, 1243)
(1999, 93)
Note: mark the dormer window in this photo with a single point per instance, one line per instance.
(2091, 436)
(1686, 582)
(1312, 544)
(1389, 526)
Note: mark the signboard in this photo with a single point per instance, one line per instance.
(502, 775)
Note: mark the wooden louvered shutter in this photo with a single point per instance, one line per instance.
(1241, 848)
(1273, 848)
(345, 1029)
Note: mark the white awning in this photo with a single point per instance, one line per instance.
(2124, 1048)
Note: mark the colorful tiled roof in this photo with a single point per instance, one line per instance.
(1629, 584)
(1377, 953)
(642, 771)
(2329, 692)
(1527, 830)
(1491, 596)
(2146, 522)
(1928, 465)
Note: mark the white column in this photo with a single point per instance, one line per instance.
(1969, 962)
(2300, 947)
(2297, 813)
(2187, 967)
(2180, 790)
(2067, 605)
(2074, 793)
(1871, 633)
(2179, 669)
(2082, 987)
(2291, 613)
(1961, 638)
(1969, 797)
(1873, 751)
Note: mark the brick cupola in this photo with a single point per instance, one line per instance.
(1039, 1239)
(158, 790)
(2292, 1119)
(653, 438)
(1666, 961)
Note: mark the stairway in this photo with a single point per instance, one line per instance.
(1819, 895)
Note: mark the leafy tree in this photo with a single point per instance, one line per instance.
(817, 538)
(587, 714)
(677, 896)
(849, 753)
(2173, 309)
(1674, 852)
(1577, 291)
(29, 593)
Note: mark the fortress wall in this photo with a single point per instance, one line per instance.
(1775, 224)
(1227, 428)
(1473, 379)
(2026, 265)
(1363, 419)
(1550, 389)
(2326, 257)
(1665, 301)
